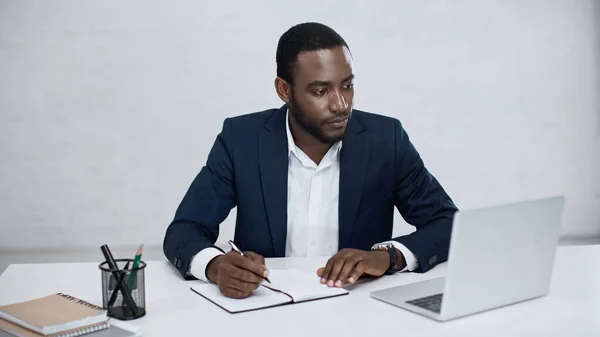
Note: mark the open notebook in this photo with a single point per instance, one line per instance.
(52, 315)
(288, 286)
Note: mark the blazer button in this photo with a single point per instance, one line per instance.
(432, 260)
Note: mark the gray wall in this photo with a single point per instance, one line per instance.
(109, 108)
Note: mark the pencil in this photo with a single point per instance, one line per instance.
(136, 264)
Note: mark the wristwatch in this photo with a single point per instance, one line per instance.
(388, 247)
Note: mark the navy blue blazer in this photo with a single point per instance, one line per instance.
(247, 167)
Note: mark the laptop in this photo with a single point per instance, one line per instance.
(498, 256)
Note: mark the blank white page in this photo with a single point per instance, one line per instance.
(301, 286)
(260, 298)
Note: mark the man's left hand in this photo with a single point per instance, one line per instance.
(349, 264)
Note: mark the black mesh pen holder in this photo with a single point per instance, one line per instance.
(124, 289)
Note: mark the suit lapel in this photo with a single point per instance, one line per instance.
(273, 161)
(354, 158)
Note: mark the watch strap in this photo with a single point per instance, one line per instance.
(393, 260)
(393, 254)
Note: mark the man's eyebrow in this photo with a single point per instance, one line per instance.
(327, 83)
(351, 77)
(318, 84)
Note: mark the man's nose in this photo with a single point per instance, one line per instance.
(338, 102)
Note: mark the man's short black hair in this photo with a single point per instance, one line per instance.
(308, 36)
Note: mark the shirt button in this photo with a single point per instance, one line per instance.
(313, 242)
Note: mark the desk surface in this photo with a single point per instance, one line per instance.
(572, 307)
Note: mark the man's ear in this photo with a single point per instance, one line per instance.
(283, 89)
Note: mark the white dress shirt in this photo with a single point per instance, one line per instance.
(312, 204)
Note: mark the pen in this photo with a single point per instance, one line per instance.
(112, 264)
(115, 293)
(235, 248)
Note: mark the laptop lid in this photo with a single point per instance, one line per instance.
(501, 255)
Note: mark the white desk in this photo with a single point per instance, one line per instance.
(571, 309)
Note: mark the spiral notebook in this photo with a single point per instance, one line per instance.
(54, 315)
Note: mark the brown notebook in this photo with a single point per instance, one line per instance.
(53, 315)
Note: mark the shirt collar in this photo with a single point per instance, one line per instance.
(290, 139)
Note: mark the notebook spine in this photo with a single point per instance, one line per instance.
(80, 301)
(85, 331)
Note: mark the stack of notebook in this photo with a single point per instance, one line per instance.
(56, 315)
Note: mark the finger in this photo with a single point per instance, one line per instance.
(347, 270)
(331, 262)
(242, 285)
(244, 262)
(335, 272)
(234, 293)
(320, 273)
(244, 275)
(229, 280)
(256, 258)
(243, 280)
(359, 269)
(327, 268)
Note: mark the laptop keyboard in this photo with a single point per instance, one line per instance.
(431, 303)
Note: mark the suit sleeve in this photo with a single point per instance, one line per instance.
(423, 203)
(206, 204)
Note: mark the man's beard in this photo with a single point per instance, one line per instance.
(313, 127)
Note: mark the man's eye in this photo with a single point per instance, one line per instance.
(321, 92)
(349, 86)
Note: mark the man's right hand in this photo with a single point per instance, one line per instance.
(237, 275)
